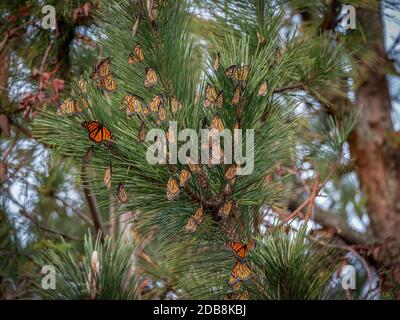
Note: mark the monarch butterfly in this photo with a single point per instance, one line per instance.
(230, 173)
(195, 220)
(97, 132)
(226, 209)
(156, 103)
(101, 70)
(151, 78)
(107, 176)
(172, 189)
(82, 85)
(175, 104)
(217, 62)
(194, 168)
(191, 225)
(142, 133)
(238, 73)
(236, 96)
(122, 196)
(237, 296)
(184, 176)
(212, 99)
(132, 103)
(136, 55)
(240, 249)
(88, 155)
(107, 83)
(161, 116)
(69, 107)
(198, 215)
(240, 272)
(216, 123)
(262, 92)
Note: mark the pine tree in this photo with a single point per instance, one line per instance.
(249, 65)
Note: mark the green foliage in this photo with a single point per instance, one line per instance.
(289, 266)
(78, 278)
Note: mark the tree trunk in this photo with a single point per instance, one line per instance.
(372, 143)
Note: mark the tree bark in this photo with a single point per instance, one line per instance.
(376, 155)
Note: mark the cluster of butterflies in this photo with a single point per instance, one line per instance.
(133, 104)
(240, 272)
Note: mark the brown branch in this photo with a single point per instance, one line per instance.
(93, 208)
(294, 86)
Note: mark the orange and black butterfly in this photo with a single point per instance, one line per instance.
(262, 92)
(107, 176)
(161, 116)
(195, 220)
(136, 55)
(70, 107)
(172, 189)
(184, 176)
(212, 99)
(240, 249)
(107, 83)
(230, 173)
(238, 73)
(121, 195)
(132, 103)
(101, 70)
(88, 155)
(194, 167)
(240, 272)
(175, 104)
(236, 96)
(151, 78)
(226, 209)
(97, 132)
(237, 296)
(82, 85)
(156, 103)
(216, 123)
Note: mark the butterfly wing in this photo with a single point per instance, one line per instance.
(226, 209)
(136, 55)
(236, 96)
(210, 96)
(156, 103)
(172, 189)
(108, 83)
(122, 196)
(216, 123)
(191, 225)
(184, 176)
(103, 68)
(262, 92)
(151, 78)
(97, 132)
(69, 107)
(175, 104)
